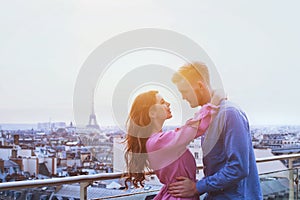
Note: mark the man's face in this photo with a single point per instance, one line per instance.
(190, 93)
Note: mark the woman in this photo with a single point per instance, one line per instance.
(164, 152)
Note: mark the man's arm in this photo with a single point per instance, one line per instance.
(236, 144)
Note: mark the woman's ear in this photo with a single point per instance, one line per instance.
(152, 113)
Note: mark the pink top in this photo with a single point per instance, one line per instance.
(168, 154)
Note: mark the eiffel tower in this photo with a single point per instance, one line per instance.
(93, 121)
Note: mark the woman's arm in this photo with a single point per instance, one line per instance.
(165, 147)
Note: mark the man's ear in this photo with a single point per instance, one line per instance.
(200, 84)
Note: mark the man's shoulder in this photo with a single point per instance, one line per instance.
(229, 106)
(230, 109)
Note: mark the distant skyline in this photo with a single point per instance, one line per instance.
(254, 46)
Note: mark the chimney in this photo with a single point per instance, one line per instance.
(1, 165)
(16, 139)
(14, 153)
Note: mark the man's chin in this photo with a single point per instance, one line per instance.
(193, 105)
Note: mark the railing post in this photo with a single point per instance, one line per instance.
(297, 183)
(83, 190)
(291, 178)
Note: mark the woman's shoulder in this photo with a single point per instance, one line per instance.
(159, 140)
(161, 135)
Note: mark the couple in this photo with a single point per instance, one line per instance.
(228, 158)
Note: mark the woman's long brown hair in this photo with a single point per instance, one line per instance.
(138, 132)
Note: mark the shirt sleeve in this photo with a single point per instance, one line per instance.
(236, 147)
(205, 116)
(166, 147)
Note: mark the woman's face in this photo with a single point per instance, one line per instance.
(161, 109)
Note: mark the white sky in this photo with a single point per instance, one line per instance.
(254, 44)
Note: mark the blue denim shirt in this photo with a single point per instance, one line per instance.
(229, 162)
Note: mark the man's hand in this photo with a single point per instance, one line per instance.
(184, 187)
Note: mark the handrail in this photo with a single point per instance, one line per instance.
(281, 157)
(102, 176)
(126, 195)
(59, 181)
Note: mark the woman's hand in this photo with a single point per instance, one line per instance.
(217, 97)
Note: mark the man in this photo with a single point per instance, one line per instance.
(228, 158)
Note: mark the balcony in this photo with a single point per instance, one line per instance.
(281, 184)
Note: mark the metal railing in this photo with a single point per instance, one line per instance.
(86, 180)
